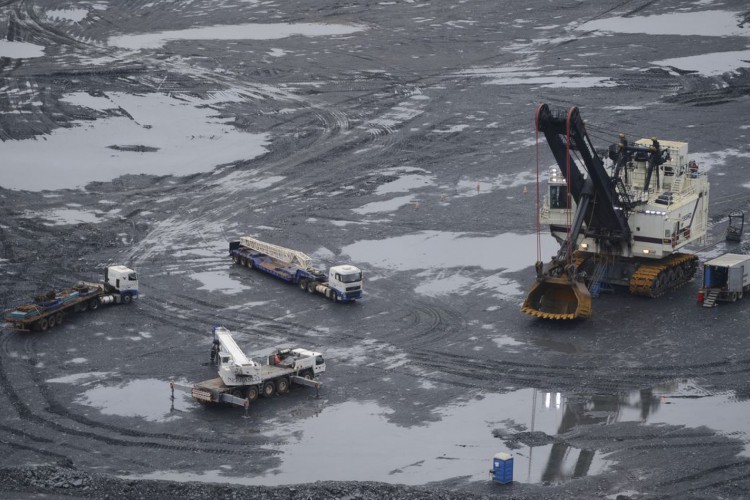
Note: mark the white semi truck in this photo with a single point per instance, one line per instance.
(342, 284)
(725, 278)
(120, 286)
(241, 379)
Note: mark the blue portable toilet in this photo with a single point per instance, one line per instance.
(502, 468)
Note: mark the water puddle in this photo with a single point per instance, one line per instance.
(385, 206)
(66, 216)
(218, 281)
(232, 32)
(160, 135)
(538, 77)
(703, 23)
(443, 256)
(529, 423)
(414, 179)
(145, 398)
(20, 50)
(72, 15)
(87, 378)
(716, 63)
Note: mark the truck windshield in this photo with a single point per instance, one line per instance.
(350, 278)
(132, 277)
(319, 360)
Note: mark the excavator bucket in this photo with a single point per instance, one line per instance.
(558, 298)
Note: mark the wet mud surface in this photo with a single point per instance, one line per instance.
(396, 136)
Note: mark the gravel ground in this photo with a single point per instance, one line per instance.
(397, 136)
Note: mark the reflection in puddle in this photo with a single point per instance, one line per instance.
(145, 398)
(361, 443)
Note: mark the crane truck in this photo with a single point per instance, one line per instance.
(120, 286)
(617, 225)
(343, 283)
(241, 380)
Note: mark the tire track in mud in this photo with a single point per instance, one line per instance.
(568, 377)
(151, 441)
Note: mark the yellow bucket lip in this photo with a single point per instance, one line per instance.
(575, 298)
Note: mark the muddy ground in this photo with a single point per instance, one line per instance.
(396, 136)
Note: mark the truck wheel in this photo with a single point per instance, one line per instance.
(43, 324)
(311, 286)
(251, 393)
(269, 389)
(94, 304)
(251, 263)
(83, 307)
(235, 259)
(127, 299)
(243, 261)
(334, 297)
(303, 284)
(282, 385)
(59, 318)
(307, 374)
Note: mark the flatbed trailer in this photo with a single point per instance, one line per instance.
(342, 284)
(49, 310)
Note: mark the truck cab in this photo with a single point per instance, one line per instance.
(346, 280)
(121, 279)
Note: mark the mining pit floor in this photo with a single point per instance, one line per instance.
(397, 136)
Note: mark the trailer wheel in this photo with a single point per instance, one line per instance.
(94, 304)
(251, 393)
(59, 318)
(282, 385)
(251, 263)
(311, 287)
(269, 389)
(235, 259)
(303, 284)
(51, 321)
(127, 299)
(43, 324)
(83, 307)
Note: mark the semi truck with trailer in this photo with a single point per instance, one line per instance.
(120, 286)
(241, 379)
(725, 278)
(342, 284)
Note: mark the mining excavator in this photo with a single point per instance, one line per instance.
(618, 225)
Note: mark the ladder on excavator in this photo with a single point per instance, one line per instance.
(595, 285)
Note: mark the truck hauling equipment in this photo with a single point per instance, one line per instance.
(621, 225)
(120, 286)
(725, 278)
(343, 283)
(241, 380)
